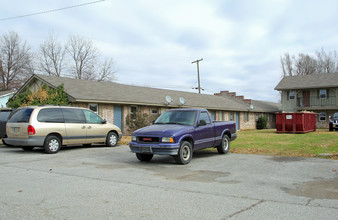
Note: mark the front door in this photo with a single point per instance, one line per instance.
(118, 116)
(306, 98)
(237, 121)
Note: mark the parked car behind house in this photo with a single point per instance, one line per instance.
(4, 114)
(333, 122)
(51, 127)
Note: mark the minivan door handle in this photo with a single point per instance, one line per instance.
(89, 127)
(83, 127)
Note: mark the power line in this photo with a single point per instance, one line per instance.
(53, 10)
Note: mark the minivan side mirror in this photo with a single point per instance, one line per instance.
(104, 121)
(201, 123)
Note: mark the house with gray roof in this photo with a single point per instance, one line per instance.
(114, 101)
(4, 97)
(317, 93)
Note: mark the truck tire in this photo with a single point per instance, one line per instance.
(144, 157)
(184, 153)
(52, 144)
(331, 127)
(224, 147)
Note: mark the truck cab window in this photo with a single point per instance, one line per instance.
(204, 116)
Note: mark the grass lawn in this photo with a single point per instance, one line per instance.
(268, 142)
(294, 145)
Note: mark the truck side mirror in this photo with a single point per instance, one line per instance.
(201, 123)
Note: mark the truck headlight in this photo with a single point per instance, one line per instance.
(168, 139)
(133, 138)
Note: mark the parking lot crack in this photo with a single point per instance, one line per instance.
(245, 209)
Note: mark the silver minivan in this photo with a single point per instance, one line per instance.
(51, 127)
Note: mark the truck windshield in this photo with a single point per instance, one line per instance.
(177, 117)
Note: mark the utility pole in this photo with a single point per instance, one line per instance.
(198, 74)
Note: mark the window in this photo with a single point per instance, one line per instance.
(322, 94)
(177, 117)
(154, 111)
(93, 107)
(231, 116)
(220, 116)
(204, 116)
(53, 115)
(246, 116)
(322, 116)
(133, 110)
(92, 118)
(21, 115)
(292, 95)
(73, 115)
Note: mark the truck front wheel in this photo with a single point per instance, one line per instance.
(144, 157)
(224, 147)
(184, 153)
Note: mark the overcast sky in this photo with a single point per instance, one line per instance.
(153, 42)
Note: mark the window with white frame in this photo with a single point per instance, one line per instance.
(322, 94)
(246, 116)
(231, 116)
(133, 110)
(94, 108)
(292, 95)
(322, 116)
(154, 111)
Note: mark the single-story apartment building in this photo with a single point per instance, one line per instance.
(114, 101)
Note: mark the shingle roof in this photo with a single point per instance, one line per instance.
(3, 93)
(109, 92)
(263, 106)
(308, 82)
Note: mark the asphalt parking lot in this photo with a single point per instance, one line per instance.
(110, 183)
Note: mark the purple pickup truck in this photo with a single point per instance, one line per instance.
(179, 132)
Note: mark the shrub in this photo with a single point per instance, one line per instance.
(139, 120)
(262, 122)
(43, 96)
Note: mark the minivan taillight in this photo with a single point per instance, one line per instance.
(31, 130)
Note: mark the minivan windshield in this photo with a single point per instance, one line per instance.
(21, 115)
(177, 117)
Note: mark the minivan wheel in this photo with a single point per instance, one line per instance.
(27, 148)
(52, 144)
(111, 139)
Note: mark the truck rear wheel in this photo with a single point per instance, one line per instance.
(224, 147)
(184, 153)
(144, 157)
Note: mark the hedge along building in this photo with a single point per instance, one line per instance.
(114, 102)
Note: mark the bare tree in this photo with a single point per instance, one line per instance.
(327, 62)
(287, 64)
(52, 55)
(107, 71)
(15, 61)
(305, 64)
(85, 57)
